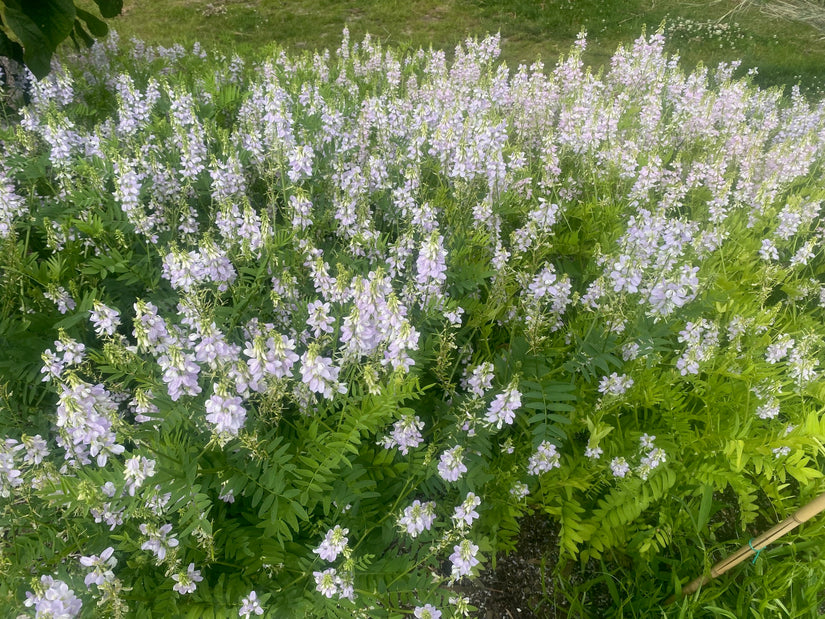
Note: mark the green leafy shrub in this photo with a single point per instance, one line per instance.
(311, 336)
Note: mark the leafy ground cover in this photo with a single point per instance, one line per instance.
(313, 335)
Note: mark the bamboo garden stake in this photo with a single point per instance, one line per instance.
(755, 546)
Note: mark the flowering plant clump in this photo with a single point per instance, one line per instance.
(308, 337)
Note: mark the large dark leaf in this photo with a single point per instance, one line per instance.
(109, 8)
(39, 27)
(96, 26)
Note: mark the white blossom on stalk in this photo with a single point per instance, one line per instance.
(428, 611)
(101, 567)
(405, 434)
(418, 517)
(185, 582)
(545, 459)
(503, 408)
(463, 559)
(335, 541)
(105, 319)
(466, 513)
(225, 412)
(320, 375)
(136, 470)
(326, 582)
(158, 540)
(250, 605)
(450, 465)
(53, 600)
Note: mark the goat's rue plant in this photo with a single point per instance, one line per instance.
(307, 338)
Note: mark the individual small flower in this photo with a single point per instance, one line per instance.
(781, 451)
(320, 375)
(326, 582)
(463, 559)
(462, 605)
(418, 517)
(53, 365)
(519, 490)
(159, 541)
(104, 319)
(319, 318)
(405, 434)
(768, 410)
(73, 351)
(503, 408)
(450, 465)
(630, 351)
(768, 250)
(335, 541)
(102, 567)
(646, 441)
(36, 449)
(428, 611)
(61, 298)
(54, 601)
(545, 459)
(185, 582)
(615, 384)
(480, 379)
(593, 452)
(777, 351)
(466, 513)
(620, 467)
(250, 605)
(136, 470)
(225, 413)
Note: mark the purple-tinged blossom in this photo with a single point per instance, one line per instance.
(53, 600)
(135, 471)
(545, 459)
(319, 318)
(428, 611)
(10, 475)
(320, 375)
(185, 582)
(326, 582)
(463, 559)
(405, 434)
(180, 373)
(12, 206)
(105, 319)
(779, 349)
(466, 513)
(334, 543)
(418, 517)
(36, 449)
(619, 467)
(480, 379)
(158, 541)
(503, 408)
(101, 567)
(85, 417)
(615, 385)
(451, 465)
(250, 605)
(225, 413)
(61, 298)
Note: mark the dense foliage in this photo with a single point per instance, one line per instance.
(31, 30)
(308, 338)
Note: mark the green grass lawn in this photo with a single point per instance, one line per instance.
(787, 49)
